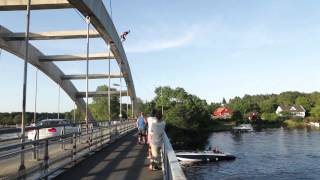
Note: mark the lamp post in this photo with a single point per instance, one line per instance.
(161, 102)
(74, 113)
(109, 85)
(132, 108)
(127, 104)
(24, 90)
(35, 98)
(87, 69)
(120, 99)
(59, 103)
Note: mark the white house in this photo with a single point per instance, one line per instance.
(294, 110)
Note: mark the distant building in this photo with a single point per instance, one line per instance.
(222, 113)
(293, 111)
(253, 116)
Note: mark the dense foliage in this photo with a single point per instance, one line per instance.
(266, 105)
(99, 106)
(187, 116)
(15, 117)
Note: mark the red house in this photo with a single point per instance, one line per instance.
(253, 116)
(222, 113)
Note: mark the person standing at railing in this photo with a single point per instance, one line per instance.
(157, 129)
(141, 128)
(150, 120)
(145, 130)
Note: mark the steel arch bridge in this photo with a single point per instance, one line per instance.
(99, 18)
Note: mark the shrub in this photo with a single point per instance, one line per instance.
(270, 117)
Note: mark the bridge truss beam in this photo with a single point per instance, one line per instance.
(91, 76)
(101, 94)
(14, 5)
(80, 57)
(50, 35)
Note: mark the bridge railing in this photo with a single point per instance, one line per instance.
(44, 157)
(15, 130)
(170, 164)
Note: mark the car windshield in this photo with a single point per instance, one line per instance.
(51, 123)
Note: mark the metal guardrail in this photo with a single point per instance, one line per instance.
(171, 166)
(46, 156)
(17, 129)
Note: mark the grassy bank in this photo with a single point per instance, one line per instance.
(294, 123)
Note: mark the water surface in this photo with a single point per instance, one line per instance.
(269, 154)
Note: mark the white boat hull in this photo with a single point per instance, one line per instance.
(206, 156)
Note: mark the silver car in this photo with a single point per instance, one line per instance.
(55, 127)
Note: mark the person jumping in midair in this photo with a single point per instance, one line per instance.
(123, 36)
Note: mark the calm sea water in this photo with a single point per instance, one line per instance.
(269, 154)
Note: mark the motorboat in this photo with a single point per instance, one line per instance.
(204, 156)
(243, 128)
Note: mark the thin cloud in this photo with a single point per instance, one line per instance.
(159, 43)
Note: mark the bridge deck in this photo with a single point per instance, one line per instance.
(124, 159)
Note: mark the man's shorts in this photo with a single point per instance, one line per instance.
(141, 132)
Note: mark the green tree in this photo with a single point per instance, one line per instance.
(237, 115)
(269, 105)
(288, 98)
(224, 101)
(17, 119)
(315, 111)
(305, 102)
(147, 107)
(186, 116)
(253, 107)
(236, 104)
(182, 110)
(99, 106)
(271, 117)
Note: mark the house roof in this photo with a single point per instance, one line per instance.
(293, 108)
(222, 110)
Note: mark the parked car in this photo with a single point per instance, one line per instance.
(54, 127)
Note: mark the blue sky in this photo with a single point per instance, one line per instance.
(212, 48)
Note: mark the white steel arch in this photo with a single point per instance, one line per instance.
(104, 26)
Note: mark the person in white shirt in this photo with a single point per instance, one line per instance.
(150, 121)
(157, 130)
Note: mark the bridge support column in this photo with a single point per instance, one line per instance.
(74, 147)
(91, 138)
(35, 146)
(101, 136)
(22, 166)
(46, 158)
(87, 77)
(62, 139)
